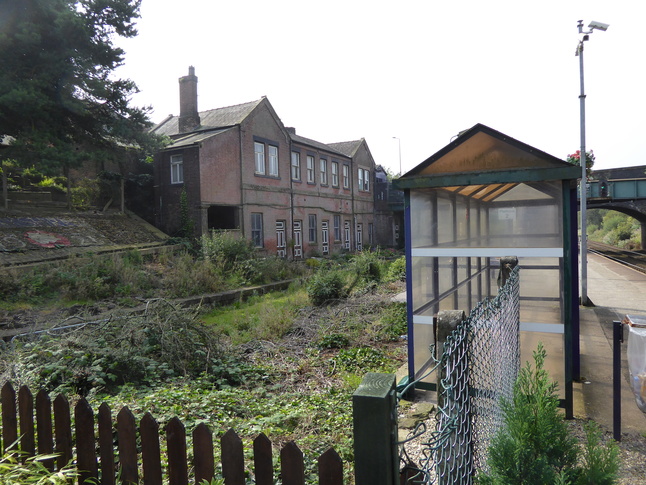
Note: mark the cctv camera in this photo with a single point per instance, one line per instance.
(598, 25)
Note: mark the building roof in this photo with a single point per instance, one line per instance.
(348, 148)
(193, 138)
(211, 119)
(315, 144)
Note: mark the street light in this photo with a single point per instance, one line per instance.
(400, 154)
(583, 158)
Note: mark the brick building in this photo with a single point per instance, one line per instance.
(241, 169)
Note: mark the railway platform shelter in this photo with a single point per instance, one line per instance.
(483, 197)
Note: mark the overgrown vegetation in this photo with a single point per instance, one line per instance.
(614, 228)
(32, 471)
(535, 447)
(275, 363)
(363, 272)
(220, 263)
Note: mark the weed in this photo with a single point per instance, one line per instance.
(334, 341)
(393, 323)
(326, 286)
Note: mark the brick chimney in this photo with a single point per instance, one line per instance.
(189, 119)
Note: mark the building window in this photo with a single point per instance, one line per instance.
(335, 174)
(296, 166)
(371, 234)
(323, 169)
(256, 230)
(346, 176)
(312, 228)
(273, 160)
(259, 150)
(364, 179)
(337, 227)
(310, 170)
(176, 169)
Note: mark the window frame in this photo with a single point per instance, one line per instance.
(296, 167)
(334, 170)
(346, 176)
(323, 171)
(257, 230)
(311, 170)
(337, 227)
(312, 228)
(260, 165)
(364, 179)
(177, 169)
(272, 160)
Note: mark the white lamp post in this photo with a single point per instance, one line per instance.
(583, 159)
(400, 154)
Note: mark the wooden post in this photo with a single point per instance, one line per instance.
(374, 409)
(445, 322)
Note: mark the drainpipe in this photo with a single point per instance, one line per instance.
(242, 231)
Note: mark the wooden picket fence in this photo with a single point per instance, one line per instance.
(98, 458)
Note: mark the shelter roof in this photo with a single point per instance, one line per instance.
(484, 156)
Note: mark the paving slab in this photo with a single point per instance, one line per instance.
(615, 291)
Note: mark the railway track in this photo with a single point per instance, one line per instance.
(633, 259)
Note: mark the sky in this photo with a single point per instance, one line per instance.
(406, 75)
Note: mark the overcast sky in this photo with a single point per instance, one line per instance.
(421, 71)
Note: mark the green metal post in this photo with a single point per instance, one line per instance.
(374, 410)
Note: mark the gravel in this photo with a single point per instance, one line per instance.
(632, 447)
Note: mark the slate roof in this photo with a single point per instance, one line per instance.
(348, 148)
(194, 138)
(314, 144)
(211, 119)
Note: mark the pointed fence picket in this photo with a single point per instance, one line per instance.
(138, 447)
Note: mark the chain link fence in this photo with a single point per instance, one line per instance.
(478, 366)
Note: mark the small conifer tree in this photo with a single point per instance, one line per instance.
(535, 448)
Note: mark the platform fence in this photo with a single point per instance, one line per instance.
(478, 366)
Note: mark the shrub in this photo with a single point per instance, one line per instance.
(367, 265)
(397, 270)
(325, 286)
(226, 249)
(534, 446)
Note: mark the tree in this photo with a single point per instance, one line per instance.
(575, 159)
(59, 99)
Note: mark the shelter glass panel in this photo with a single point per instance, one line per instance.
(459, 234)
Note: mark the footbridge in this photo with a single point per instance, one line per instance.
(620, 189)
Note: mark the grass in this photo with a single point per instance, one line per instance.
(266, 317)
(288, 369)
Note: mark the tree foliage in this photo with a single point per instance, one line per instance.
(59, 98)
